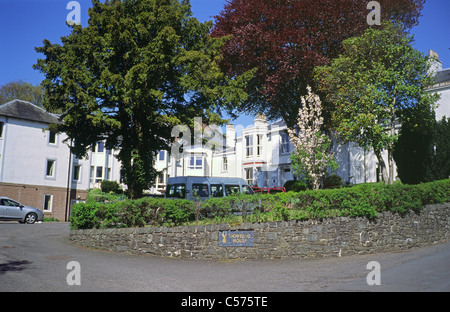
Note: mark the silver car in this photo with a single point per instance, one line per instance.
(11, 210)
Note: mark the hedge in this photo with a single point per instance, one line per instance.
(364, 200)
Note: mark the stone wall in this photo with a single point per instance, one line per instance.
(280, 240)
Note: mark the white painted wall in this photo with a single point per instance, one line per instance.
(25, 149)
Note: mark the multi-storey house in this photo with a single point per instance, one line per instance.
(37, 167)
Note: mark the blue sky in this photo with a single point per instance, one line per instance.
(25, 23)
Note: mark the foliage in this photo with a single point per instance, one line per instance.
(295, 186)
(108, 186)
(379, 80)
(311, 157)
(364, 200)
(285, 40)
(422, 152)
(136, 70)
(332, 181)
(21, 90)
(97, 196)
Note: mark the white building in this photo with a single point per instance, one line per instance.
(261, 154)
(37, 167)
(441, 86)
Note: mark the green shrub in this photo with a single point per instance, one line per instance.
(97, 196)
(364, 200)
(83, 216)
(295, 186)
(110, 187)
(332, 181)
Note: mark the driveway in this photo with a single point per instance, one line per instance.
(36, 257)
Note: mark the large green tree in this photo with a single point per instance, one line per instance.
(422, 152)
(379, 81)
(284, 40)
(136, 70)
(21, 90)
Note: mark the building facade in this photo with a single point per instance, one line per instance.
(441, 86)
(37, 167)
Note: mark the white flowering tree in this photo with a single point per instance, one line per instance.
(311, 157)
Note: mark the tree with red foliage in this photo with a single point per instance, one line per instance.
(284, 40)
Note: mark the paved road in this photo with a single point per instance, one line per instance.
(35, 258)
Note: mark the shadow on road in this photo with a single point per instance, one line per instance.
(12, 266)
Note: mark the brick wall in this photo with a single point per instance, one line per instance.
(328, 238)
(33, 195)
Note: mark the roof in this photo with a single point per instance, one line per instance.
(443, 76)
(28, 111)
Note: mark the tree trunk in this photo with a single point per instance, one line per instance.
(391, 166)
(382, 165)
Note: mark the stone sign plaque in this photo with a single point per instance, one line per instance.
(236, 238)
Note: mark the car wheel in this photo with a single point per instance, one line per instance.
(31, 218)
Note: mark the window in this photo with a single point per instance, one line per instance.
(200, 190)
(48, 202)
(1, 128)
(224, 164)
(249, 146)
(100, 147)
(232, 189)
(161, 178)
(161, 155)
(92, 174)
(247, 190)
(217, 190)
(52, 137)
(76, 172)
(9, 202)
(176, 190)
(284, 143)
(99, 174)
(259, 138)
(249, 176)
(50, 170)
(196, 162)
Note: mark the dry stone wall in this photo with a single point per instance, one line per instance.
(278, 240)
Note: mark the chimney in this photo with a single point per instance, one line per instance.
(260, 121)
(230, 137)
(435, 63)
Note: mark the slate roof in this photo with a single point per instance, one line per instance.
(443, 76)
(28, 111)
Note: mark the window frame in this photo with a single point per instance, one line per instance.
(78, 178)
(55, 137)
(46, 202)
(284, 143)
(53, 173)
(249, 146)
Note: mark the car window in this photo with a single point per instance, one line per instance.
(217, 190)
(176, 190)
(9, 202)
(247, 189)
(232, 189)
(200, 190)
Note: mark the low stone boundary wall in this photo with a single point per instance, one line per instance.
(340, 236)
